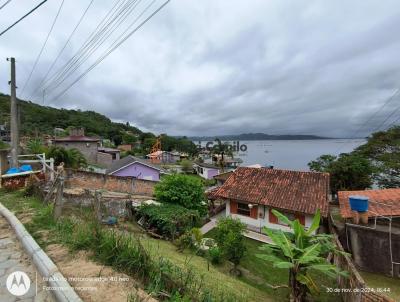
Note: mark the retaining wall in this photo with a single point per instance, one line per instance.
(97, 181)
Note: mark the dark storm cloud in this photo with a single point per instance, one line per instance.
(222, 67)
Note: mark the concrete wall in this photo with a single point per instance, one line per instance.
(207, 173)
(371, 249)
(88, 149)
(139, 171)
(96, 181)
(104, 159)
(263, 219)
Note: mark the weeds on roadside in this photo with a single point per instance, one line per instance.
(161, 278)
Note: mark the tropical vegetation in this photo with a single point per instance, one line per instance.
(39, 120)
(168, 220)
(229, 237)
(375, 162)
(300, 253)
(184, 190)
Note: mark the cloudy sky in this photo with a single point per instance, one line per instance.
(216, 66)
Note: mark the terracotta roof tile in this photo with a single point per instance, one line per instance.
(303, 192)
(382, 202)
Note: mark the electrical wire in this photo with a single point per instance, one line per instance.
(65, 45)
(43, 46)
(116, 45)
(23, 17)
(388, 100)
(389, 116)
(94, 46)
(8, 1)
(104, 23)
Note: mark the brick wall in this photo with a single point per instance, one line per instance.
(97, 181)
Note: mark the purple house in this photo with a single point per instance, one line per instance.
(135, 167)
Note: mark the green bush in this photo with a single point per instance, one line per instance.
(215, 255)
(229, 236)
(186, 191)
(169, 220)
(189, 240)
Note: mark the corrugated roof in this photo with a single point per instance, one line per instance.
(303, 192)
(385, 202)
(128, 160)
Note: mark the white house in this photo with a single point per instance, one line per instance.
(207, 171)
(251, 194)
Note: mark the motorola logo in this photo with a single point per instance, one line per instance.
(18, 283)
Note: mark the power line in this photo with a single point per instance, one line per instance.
(389, 116)
(388, 100)
(92, 37)
(23, 17)
(127, 10)
(66, 43)
(116, 45)
(43, 46)
(8, 1)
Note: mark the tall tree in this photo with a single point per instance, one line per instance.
(229, 236)
(347, 172)
(383, 151)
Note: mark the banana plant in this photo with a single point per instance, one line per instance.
(300, 253)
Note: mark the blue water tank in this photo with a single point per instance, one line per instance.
(358, 203)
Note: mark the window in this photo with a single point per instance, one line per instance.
(290, 216)
(243, 209)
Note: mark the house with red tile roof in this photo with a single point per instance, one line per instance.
(384, 202)
(252, 193)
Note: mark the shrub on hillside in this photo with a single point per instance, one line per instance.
(230, 239)
(169, 220)
(183, 190)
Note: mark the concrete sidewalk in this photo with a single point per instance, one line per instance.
(258, 237)
(249, 234)
(13, 258)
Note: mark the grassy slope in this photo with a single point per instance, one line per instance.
(253, 284)
(260, 273)
(380, 282)
(215, 278)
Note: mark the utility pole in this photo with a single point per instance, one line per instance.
(14, 118)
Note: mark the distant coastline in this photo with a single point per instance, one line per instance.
(258, 136)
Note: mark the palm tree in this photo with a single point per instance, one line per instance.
(72, 158)
(219, 152)
(301, 252)
(35, 146)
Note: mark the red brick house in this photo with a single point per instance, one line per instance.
(251, 194)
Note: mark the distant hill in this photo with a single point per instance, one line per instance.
(43, 119)
(257, 136)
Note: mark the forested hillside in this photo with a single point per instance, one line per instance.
(37, 119)
(44, 119)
